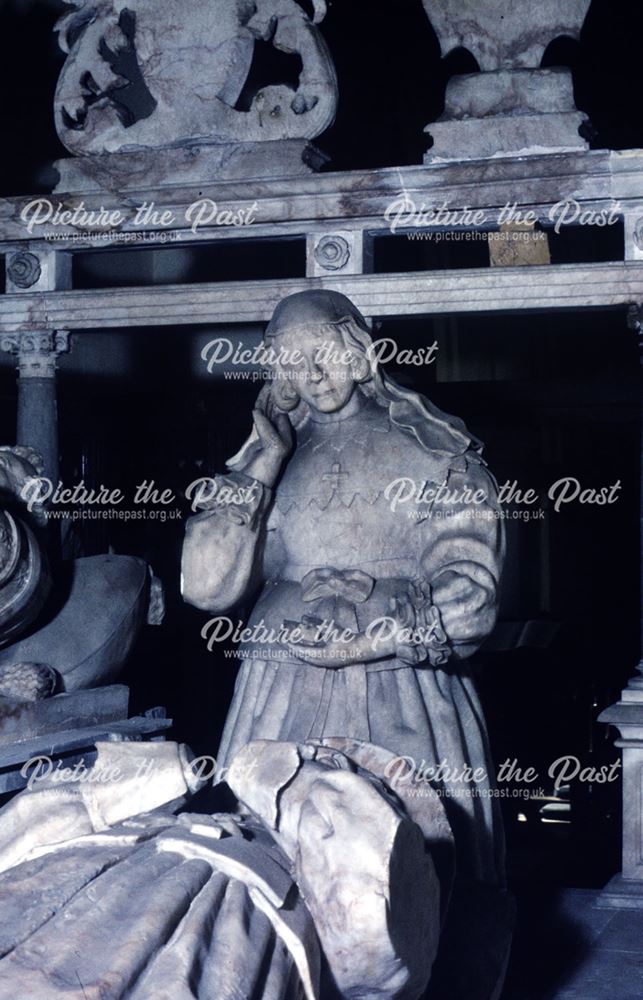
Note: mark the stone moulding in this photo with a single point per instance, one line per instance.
(568, 286)
(356, 205)
(360, 199)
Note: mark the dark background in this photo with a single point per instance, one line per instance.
(551, 395)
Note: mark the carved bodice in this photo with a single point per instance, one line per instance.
(331, 507)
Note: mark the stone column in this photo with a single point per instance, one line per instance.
(37, 405)
(626, 889)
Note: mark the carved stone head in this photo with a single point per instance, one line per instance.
(315, 361)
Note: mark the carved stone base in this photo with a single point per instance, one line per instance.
(507, 112)
(504, 135)
(621, 893)
(144, 169)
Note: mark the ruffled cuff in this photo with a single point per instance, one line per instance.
(421, 635)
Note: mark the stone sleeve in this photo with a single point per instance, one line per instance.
(222, 543)
(463, 554)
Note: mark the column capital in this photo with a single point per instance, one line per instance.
(36, 351)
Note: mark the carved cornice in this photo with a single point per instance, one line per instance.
(565, 286)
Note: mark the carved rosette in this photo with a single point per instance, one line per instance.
(24, 270)
(37, 351)
(332, 253)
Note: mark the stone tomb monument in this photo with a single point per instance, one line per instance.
(334, 877)
(260, 903)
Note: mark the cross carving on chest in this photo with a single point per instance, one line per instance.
(335, 477)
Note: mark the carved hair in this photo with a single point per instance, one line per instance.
(321, 310)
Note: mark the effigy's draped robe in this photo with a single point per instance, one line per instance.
(334, 533)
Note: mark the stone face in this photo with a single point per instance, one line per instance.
(142, 74)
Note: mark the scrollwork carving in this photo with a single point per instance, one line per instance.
(164, 73)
